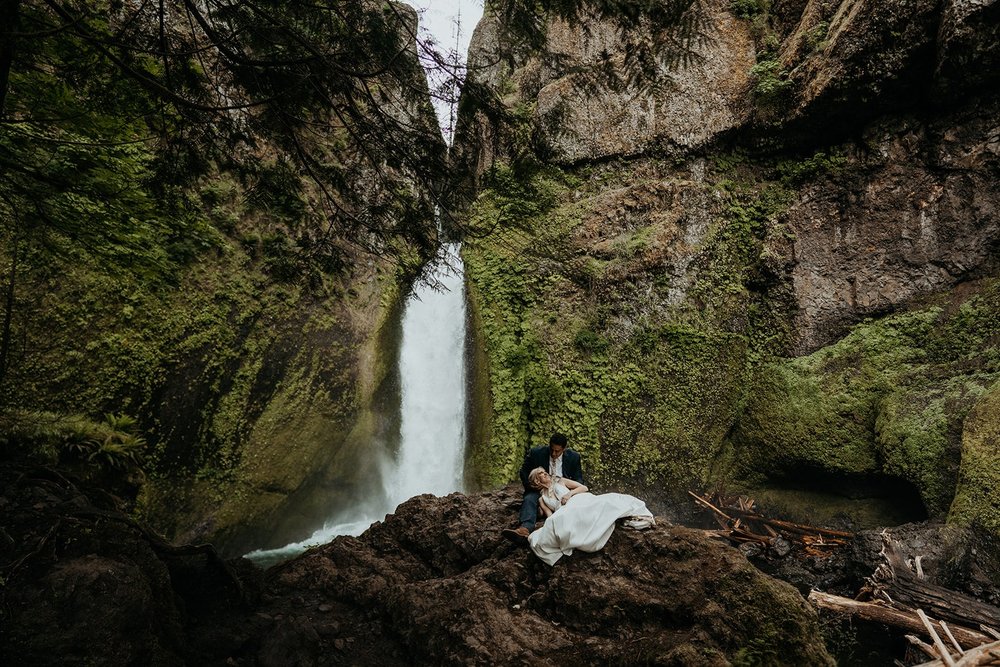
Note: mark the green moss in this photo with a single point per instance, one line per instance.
(889, 399)
(242, 374)
(605, 316)
(644, 391)
(977, 497)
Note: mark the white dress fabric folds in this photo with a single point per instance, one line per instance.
(585, 522)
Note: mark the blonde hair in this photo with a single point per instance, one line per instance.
(546, 490)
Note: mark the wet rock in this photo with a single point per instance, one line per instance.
(84, 584)
(780, 547)
(912, 214)
(968, 53)
(862, 57)
(433, 584)
(581, 120)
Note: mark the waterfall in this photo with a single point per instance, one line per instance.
(432, 374)
(431, 453)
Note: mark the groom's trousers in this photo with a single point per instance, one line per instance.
(529, 509)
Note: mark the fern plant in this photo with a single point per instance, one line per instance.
(118, 445)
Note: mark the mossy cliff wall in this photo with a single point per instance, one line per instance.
(258, 354)
(792, 293)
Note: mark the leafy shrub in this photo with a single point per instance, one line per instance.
(772, 81)
(117, 443)
(48, 437)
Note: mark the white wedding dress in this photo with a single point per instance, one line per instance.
(585, 522)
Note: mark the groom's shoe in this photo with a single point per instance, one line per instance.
(518, 536)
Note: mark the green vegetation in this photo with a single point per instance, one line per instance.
(977, 498)
(652, 337)
(889, 399)
(207, 238)
(771, 82)
(749, 9)
(49, 438)
(575, 279)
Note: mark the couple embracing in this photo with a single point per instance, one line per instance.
(574, 518)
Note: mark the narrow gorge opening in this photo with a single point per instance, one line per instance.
(423, 447)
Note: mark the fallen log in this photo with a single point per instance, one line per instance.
(896, 618)
(894, 582)
(798, 527)
(739, 522)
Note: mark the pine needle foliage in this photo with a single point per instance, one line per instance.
(112, 114)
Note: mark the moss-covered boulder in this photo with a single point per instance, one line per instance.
(977, 498)
(891, 400)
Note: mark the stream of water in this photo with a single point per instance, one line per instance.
(430, 456)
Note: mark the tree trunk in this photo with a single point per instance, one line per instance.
(894, 581)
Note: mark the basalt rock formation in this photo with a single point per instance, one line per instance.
(798, 294)
(434, 584)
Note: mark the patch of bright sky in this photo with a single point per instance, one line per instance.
(449, 23)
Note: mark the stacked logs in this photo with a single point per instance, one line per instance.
(961, 629)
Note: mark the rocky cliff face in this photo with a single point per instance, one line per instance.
(433, 584)
(810, 165)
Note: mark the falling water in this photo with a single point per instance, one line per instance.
(432, 373)
(430, 457)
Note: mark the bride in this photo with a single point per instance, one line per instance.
(576, 519)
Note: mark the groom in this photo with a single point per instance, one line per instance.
(557, 460)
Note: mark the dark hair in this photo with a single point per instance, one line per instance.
(558, 439)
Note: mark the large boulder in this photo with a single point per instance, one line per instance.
(83, 584)
(436, 584)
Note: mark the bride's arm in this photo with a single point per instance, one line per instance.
(574, 488)
(545, 508)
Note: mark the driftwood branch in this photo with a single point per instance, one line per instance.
(938, 644)
(928, 650)
(981, 656)
(741, 523)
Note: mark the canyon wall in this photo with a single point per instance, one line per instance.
(773, 262)
(258, 352)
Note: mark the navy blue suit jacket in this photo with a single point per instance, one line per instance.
(538, 457)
